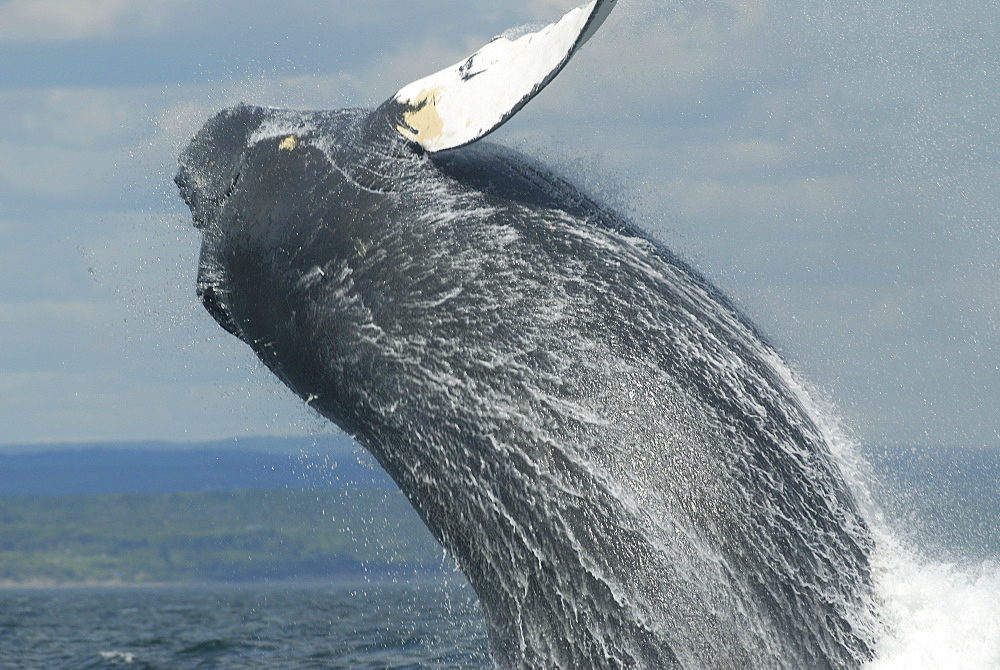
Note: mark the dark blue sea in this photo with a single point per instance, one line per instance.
(436, 624)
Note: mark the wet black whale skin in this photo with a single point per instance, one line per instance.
(610, 451)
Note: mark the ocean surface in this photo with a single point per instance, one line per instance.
(433, 624)
(939, 615)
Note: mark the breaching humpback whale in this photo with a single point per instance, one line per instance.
(614, 456)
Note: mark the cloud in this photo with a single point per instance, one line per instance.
(731, 203)
(24, 21)
(76, 117)
(34, 336)
(69, 143)
(108, 342)
(43, 172)
(120, 404)
(832, 168)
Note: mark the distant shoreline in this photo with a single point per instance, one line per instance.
(345, 580)
(54, 585)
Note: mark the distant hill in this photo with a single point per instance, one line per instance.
(63, 470)
(276, 509)
(232, 536)
(222, 511)
(234, 510)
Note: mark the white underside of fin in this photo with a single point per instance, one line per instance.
(463, 102)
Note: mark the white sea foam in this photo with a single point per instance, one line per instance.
(936, 615)
(115, 657)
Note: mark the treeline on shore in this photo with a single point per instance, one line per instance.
(93, 516)
(230, 536)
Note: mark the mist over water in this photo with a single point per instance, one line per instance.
(940, 608)
(937, 613)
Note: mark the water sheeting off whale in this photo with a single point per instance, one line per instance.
(610, 451)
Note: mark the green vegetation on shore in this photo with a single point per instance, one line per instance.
(211, 536)
(947, 501)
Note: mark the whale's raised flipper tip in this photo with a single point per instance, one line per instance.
(475, 96)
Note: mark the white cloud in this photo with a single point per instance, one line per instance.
(734, 203)
(74, 117)
(655, 54)
(57, 20)
(70, 142)
(24, 319)
(120, 403)
(54, 171)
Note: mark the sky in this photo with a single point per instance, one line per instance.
(834, 167)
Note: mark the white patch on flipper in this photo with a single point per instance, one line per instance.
(466, 101)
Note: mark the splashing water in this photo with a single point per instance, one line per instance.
(934, 614)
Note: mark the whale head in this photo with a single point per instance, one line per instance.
(247, 150)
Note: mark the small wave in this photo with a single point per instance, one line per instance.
(115, 657)
(209, 648)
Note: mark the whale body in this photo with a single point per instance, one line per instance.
(614, 456)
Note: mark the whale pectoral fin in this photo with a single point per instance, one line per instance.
(470, 99)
